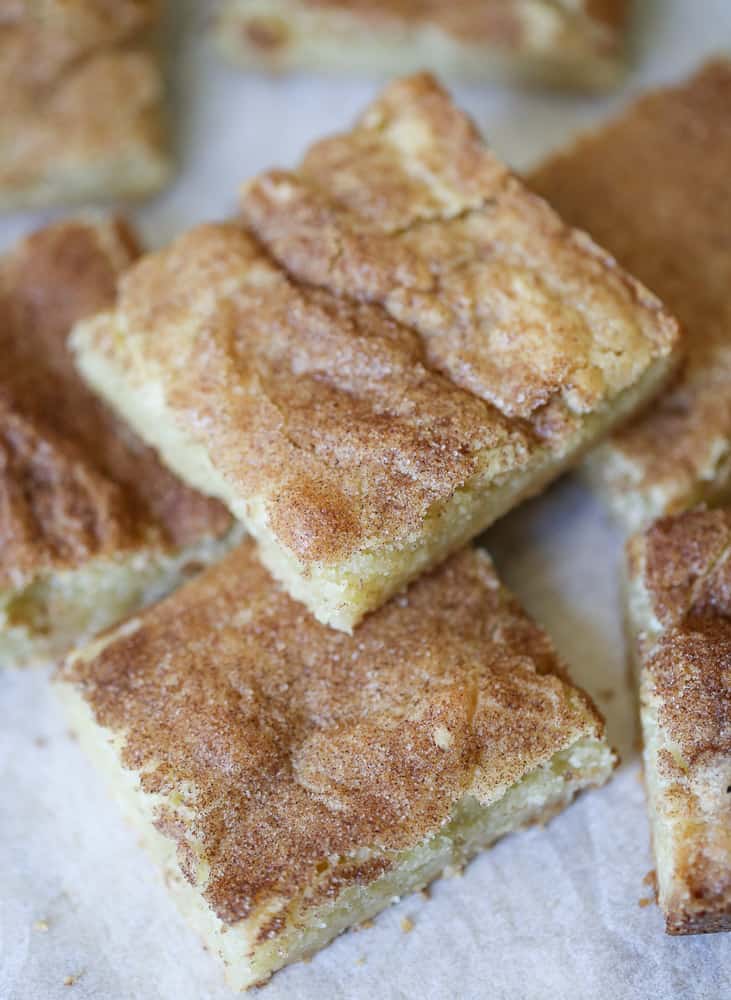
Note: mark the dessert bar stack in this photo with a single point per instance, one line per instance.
(396, 344)
(240, 476)
(391, 347)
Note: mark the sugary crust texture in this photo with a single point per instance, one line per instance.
(40, 39)
(407, 319)
(80, 101)
(653, 188)
(410, 210)
(280, 744)
(684, 566)
(587, 40)
(74, 482)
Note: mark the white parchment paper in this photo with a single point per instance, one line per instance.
(546, 915)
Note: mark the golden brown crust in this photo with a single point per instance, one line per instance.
(458, 328)
(63, 68)
(684, 569)
(291, 744)
(653, 188)
(74, 482)
(686, 573)
(410, 210)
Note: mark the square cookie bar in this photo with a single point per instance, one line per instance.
(398, 344)
(679, 612)
(291, 779)
(81, 98)
(566, 45)
(653, 187)
(91, 525)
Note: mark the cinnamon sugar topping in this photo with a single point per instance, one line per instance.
(287, 753)
(75, 482)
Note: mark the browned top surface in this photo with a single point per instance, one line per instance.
(39, 39)
(684, 563)
(73, 481)
(412, 318)
(653, 187)
(512, 23)
(292, 744)
(74, 84)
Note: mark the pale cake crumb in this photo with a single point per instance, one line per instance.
(407, 925)
(41, 926)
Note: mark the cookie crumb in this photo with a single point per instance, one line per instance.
(407, 925)
(645, 902)
(41, 926)
(70, 980)
(650, 880)
(425, 893)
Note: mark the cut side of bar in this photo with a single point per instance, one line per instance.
(679, 613)
(580, 45)
(92, 525)
(81, 103)
(291, 779)
(653, 188)
(398, 345)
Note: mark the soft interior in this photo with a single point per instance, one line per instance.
(52, 612)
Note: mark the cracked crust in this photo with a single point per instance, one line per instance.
(538, 42)
(403, 345)
(680, 608)
(76, 483)
(653, 188)
(63, 66)
(291, 763)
